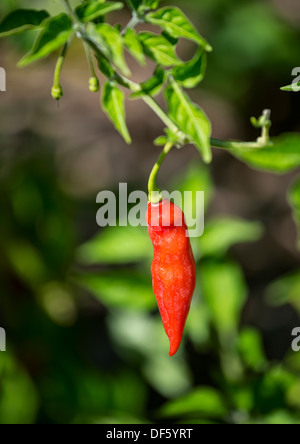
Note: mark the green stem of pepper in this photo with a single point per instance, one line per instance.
(155, 195)
(135, 20)
(94, 84)
(57, 91)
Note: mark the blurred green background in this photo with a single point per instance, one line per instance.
(85, 343)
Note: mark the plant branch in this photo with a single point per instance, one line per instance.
(161, 113)
(71, 11)
(227, 144)
(135, 20)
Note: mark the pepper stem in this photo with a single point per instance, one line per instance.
(155, 195)
(56, 90)
(94, 81)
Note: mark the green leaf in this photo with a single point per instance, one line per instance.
(190, 119)
(195, 179)
(191, 73)
(116, 245)
(152, 86)
(21, 20)
(276, 417)
(143, 4)
(105, 67)
(224, 291)
(152, 4)
(251, 349)
(177, 25)
(110, 42)
(158, 48)
(55, 33)
(125, 289)
(173, 381)
(135, 4)
(294, 87)
(134, 46)
(161, 141)
(285, 290)
(280, 157)
(272, 388)
(132, 329)
(19, 400)
(205, 402)
(113, 104)
(88, 11)
(222, 233)
(170, 39)
(294, 200)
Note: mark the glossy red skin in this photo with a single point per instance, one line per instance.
(173, 268)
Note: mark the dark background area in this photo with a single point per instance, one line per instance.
(92, 349)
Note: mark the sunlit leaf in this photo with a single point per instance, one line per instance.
(205, 402)
(88, 11)
(126, 289)
(134, 46)
(190, 119)
(294, 87)
(243, 398)
(152, 86)
(109, 41)
(27, 262)
(56, 31)
(191, 73)
(222, 233)
(135, 4)
(278, 417)
(158, 48)
(195, 178)
(171, 378)
(285, 290)
(143, 4)
(153, 4)
(293, 395)
(280, 157)
(132, 330)
(122, 418)
(177, 25)
(21, 20)
(251, 348)
(197, 326)
(117, 245)
(224, 292)
(18, 397)
(113, 103)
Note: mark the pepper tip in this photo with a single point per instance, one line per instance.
(173, 349)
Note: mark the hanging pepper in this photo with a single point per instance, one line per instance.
(173, 268)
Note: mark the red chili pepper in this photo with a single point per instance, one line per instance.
(173, 267)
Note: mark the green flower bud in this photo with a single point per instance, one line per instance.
(56, 92)
(94, 84)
